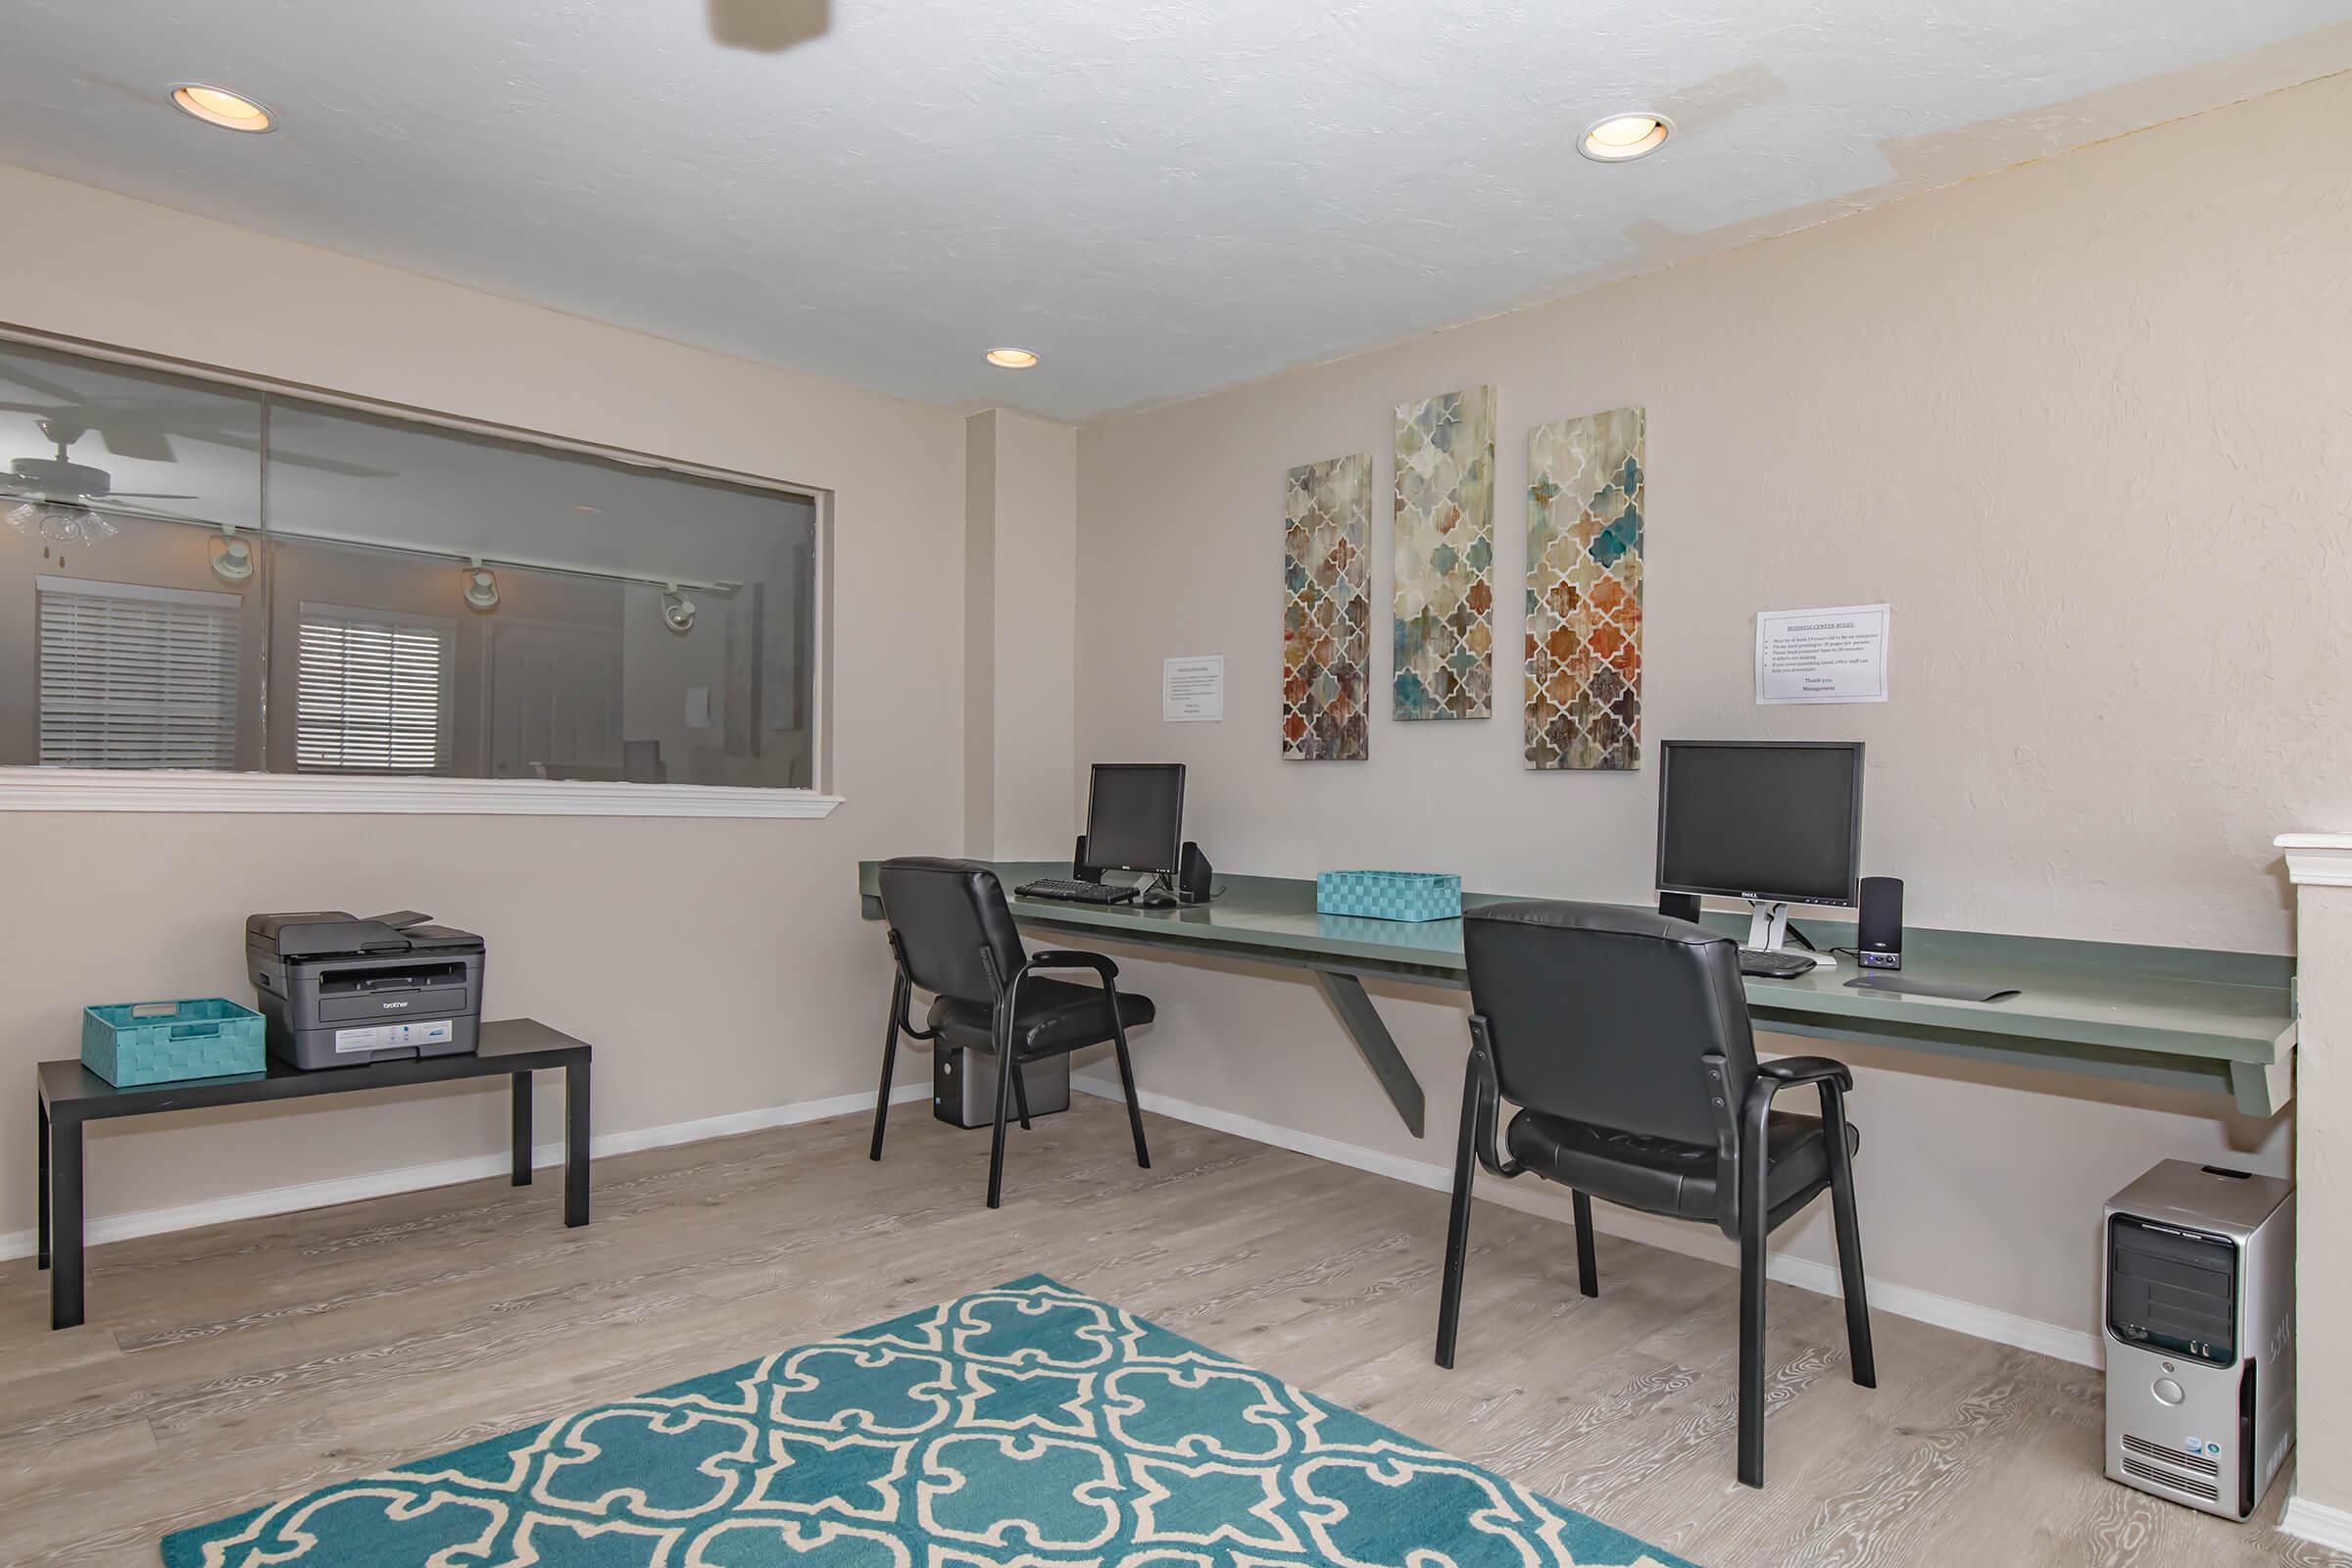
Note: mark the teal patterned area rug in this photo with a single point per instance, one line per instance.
(1025, 1427)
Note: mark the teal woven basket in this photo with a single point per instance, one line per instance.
(131, 1043)
(1389, 895)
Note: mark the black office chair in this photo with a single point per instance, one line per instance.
(953, 935)
(1624, 1036)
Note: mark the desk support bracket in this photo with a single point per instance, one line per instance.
(2266, 1088)
(1375, 1045)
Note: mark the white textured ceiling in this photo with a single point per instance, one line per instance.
(1159, 196)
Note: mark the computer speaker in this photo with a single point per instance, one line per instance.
(1192, 874)
(1878, 926)
(1080, 871)
(1678, 905)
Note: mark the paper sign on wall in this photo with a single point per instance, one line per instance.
(1836, 655)
(1192, 691)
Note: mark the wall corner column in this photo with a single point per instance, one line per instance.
(2319, 864)
(1021, 636)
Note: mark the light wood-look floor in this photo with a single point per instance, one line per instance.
(227, 1366)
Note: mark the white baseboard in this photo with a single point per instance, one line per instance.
(2318, 1523)
(1905, 1300)
(446, 1172)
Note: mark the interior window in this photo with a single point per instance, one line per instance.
(382, 595)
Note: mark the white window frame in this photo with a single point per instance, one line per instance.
(107, 789)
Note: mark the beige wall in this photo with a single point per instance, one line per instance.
(720, 966)
(2083, 422)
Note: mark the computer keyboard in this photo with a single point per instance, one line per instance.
(1775, 963)
(1076, 891)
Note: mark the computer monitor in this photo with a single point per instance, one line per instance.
(1135, 817)
(1774, 823)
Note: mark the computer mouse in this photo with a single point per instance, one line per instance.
(1156, 898)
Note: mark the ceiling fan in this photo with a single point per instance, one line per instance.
(67, 502)
(60, 499)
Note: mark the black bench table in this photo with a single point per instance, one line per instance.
(72, 1094)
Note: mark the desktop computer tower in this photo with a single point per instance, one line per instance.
(2200, 1272)
(963, 1087)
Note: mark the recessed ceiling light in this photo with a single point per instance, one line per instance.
(1011, 358)
(218, 105)
(1619, 137)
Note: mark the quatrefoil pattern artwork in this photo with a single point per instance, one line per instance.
(1585, 501)
(1327, 611)
(1028, 1425)
(1445, 619)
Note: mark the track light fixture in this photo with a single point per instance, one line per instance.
(232, 557)
(677, 610)
(481, 585)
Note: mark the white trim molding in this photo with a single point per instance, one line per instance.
(2318, 859)
(448, 1172)
(104, 789)
(2055, 1340)
(2316, 1523)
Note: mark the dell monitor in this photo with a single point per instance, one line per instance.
(1135, 817)
(1774, 823)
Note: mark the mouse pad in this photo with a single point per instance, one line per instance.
(1930, 987)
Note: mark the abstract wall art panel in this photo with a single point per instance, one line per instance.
(1583, 592)
(1327, 611)
(1446, 557)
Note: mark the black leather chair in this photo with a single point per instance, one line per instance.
(1624, 1036)
(954, 936)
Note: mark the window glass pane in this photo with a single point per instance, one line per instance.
(124, 478)
(570, 655)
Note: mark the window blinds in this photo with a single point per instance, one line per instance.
(371, 691)
(132, 676)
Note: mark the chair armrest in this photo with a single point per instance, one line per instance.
(1806, 1070)
(1739, 1130)
(1062, 959)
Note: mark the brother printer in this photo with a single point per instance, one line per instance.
(337, 991)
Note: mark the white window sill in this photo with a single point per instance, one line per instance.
(101, 789)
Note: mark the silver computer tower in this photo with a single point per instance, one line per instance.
(2200, 1271)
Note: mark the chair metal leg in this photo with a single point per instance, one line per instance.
(1752, 1223)
(1135, 1112)
(890, 1055)
(996, 1150)
(1588, 1269)
(1457, 1228)
(1020, 1093)
(1849, 1242)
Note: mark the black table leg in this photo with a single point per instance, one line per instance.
(42, 1150)
(64, 1241)
(521, 1140)
(575, 1144)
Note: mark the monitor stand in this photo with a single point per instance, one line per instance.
(1768, 932)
